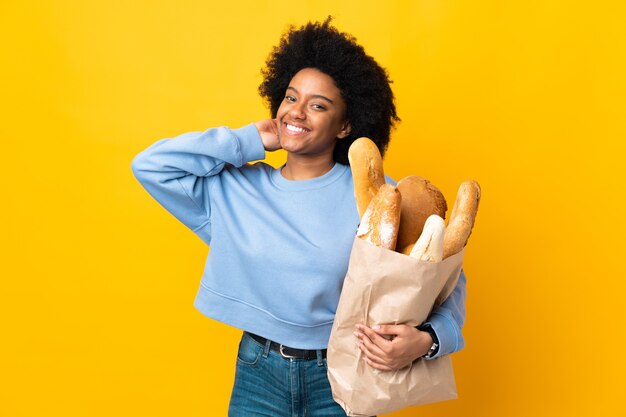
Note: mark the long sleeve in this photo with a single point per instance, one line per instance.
(177, 172)
(447, 320)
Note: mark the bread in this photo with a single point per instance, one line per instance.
(380, 222)
(420, 199)
(462, 218)
(429, 246)
(367, 171)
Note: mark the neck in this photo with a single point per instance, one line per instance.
(299, 168)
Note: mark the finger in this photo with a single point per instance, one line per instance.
(377, 365)
(377, 339)
(371, 346)
(390, 329)
(372, 356)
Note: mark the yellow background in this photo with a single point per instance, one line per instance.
(98, 283)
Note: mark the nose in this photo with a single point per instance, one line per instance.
(297, 111)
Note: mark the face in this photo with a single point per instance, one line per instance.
(311, 117)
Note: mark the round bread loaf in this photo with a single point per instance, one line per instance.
(366, 165)
(462, 218)
(420, 199)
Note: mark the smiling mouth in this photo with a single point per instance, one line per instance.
(295, 129)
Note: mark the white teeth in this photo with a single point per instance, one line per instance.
(295, 128)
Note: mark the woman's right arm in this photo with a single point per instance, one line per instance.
(178, 172)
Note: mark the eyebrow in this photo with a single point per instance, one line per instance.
(314, 95)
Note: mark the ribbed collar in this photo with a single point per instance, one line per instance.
(301, 185)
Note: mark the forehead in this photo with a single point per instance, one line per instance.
(313, 81)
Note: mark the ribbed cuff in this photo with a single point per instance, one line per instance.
(250, 143)
(446, 334)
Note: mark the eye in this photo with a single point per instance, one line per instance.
(318, 107)
(290, 98)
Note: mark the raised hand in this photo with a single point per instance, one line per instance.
(268, 129)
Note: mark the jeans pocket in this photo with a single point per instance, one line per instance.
(249, 351)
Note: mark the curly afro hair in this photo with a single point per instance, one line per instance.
(364, 85)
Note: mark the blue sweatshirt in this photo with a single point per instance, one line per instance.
(279, 248)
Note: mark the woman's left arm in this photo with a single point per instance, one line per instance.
(447, 320)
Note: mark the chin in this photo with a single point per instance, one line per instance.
(288, 145)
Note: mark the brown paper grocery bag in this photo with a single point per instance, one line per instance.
(387, 287)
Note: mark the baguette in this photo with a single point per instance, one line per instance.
(367, 171)
(462, 218)
(429, 246)
(420, 199)
(381, 220)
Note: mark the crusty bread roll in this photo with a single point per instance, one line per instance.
(420, 199)
(367, 171)
(462, 218)
(429, 246)
(380, 222)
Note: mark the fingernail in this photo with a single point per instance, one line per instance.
(376, 327)
(356, 334)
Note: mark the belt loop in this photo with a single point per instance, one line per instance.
(320, 359)
(266, 349)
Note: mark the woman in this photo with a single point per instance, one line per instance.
(281, 238)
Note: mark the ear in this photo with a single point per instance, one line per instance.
(345, 130)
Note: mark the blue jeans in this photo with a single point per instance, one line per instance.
(267, 384)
